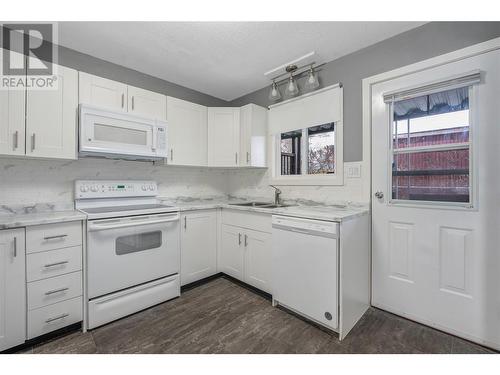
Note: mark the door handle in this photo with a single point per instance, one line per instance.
(15, 247)
(33, 142)
(248, 157)
(16, 139)
(56, 291)
(123, 100)
(133, 103)
(185, 222)
(48, 238)
(56, 264)
(171, 154)
(236, 158)
(246, 240)
(57, 318)
(379, 194)
(239, 238)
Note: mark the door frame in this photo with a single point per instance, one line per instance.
(369, 82)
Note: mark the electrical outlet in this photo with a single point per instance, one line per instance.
(354, 171)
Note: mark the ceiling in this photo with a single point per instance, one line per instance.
(223, 59)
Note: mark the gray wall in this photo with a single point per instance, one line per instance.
(102, 68)
(427, 41)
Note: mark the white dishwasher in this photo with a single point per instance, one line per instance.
(305, 268)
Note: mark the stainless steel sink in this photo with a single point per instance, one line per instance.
(251, 204)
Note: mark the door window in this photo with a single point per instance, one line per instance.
(430, 147)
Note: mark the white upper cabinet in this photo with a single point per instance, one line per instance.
(117, 96)
(223, 137)
(12, 107)
(12, 288)
(51, 118)
(253, 136)
(103, 92)
(187, 132)
(147, 103)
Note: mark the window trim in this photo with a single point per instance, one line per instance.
(472, 204)
(335, 179)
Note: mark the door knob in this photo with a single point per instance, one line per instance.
(379, 195)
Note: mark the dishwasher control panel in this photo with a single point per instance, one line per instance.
(307, 226)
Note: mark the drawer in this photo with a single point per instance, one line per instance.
(53, 263)
(53, 290)
(53, 236)
(251, 220)
(49, 318)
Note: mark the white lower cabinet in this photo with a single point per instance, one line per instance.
(198, 245)
(12, 288)
(245, 253)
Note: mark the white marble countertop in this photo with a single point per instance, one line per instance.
(309, 210)
(16, 220)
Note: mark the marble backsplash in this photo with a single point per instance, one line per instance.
(32, 185)
(29, 185)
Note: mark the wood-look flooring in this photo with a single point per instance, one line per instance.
(224, 317)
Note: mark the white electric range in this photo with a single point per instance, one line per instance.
(133, 251)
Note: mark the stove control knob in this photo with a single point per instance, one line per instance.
(151, 187)
(144, 188)
(93, 188)
(84, 188)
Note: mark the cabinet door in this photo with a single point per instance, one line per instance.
(146, 103)
(198, 245)
(12, 123)
(51, 118)
(223, 137)
(187, 132)
(102, 92)
(258, 259)
(12, 288)
(253, 144)
(231, 259)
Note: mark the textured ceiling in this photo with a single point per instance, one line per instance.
(222, 59)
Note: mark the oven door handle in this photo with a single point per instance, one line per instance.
(92, 227)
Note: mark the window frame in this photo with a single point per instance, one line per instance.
(472, 204)
(334, 179)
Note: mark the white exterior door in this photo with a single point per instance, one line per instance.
(51, 118)
(436, 227)
(258, 259)
(223, 137)
(12, 288)
(198, 245)
(231, 257)
(102, 92)
(187, 132)
(147, 103)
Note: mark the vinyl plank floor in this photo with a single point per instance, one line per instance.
(224, 317)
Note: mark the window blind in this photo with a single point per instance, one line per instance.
(318, 108)
(468, 79)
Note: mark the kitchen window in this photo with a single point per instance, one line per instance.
(431, 147)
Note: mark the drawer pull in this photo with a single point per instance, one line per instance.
(55, 237)
(57, 318)
(55, 291)
(56, 264)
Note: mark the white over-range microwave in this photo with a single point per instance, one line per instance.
(120, 135)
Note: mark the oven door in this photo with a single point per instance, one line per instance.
(124, 252)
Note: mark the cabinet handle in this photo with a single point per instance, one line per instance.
(123, 100)
(185, 222)
(56, 291)
(57, 318)
(55, 237)
(248, 157)
(236, 158)
(171, 154)
(239, 238)
(16, 139)
(246, 240)
(33, 142)
(15, 247)
(133, 103)
(56, 264)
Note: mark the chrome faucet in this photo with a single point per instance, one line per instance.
(277, 193)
